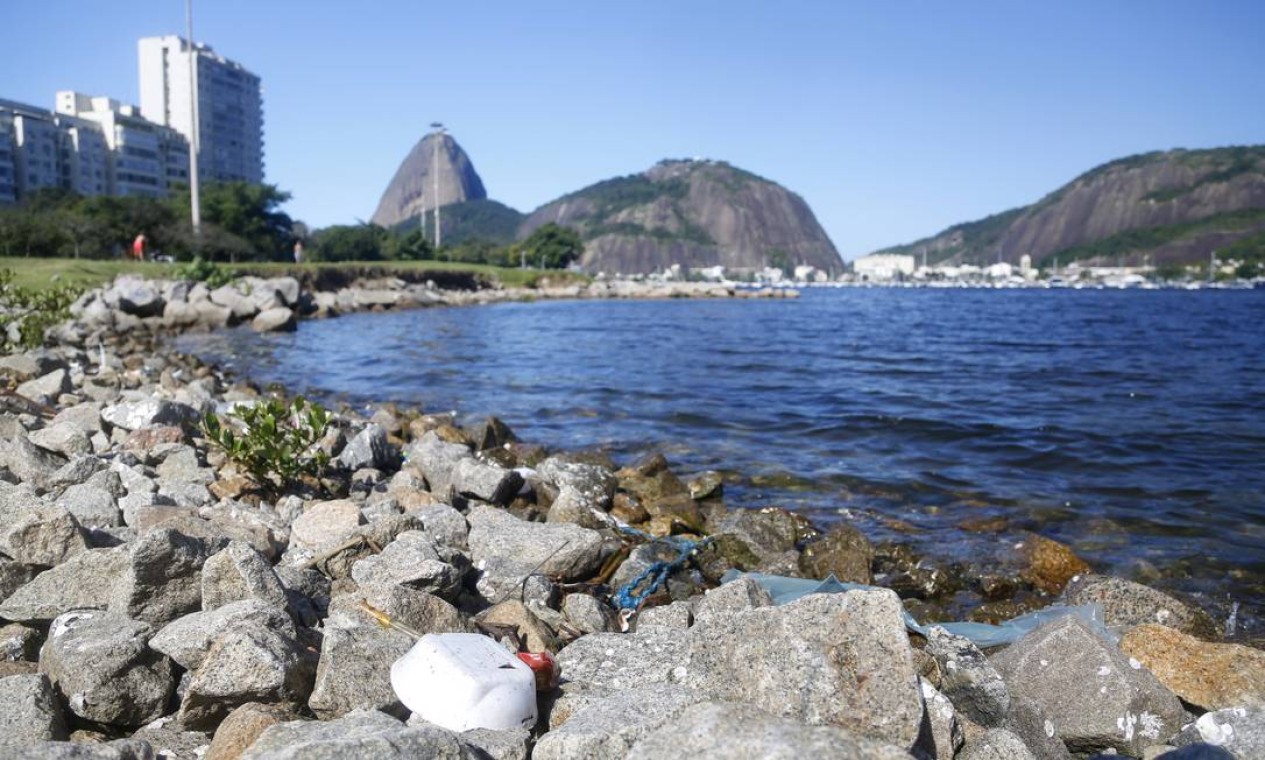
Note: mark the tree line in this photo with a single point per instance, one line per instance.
(241, 222)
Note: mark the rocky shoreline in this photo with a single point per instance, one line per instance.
(155, 601)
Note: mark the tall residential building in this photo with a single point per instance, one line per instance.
(230, 107)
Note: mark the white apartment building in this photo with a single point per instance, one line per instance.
(147, 158)
(91, 145)
(230, 106)
(883, 266)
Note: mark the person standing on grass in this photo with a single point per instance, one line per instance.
(298, 252)
(138, 247)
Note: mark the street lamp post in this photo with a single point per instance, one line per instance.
(196, 211)
(434, 166)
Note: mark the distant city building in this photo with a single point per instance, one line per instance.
(89, 145)
(883, 266)
(147, 158)
(230, 106)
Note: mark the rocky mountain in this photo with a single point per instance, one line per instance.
(413, 186)
(1163, 207)
(692, 213)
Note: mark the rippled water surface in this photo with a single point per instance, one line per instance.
(1130, 424)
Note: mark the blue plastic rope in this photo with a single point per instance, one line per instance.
(653, 577)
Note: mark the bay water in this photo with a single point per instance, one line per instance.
(1128, 424)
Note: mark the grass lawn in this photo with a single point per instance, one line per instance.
(89, 273)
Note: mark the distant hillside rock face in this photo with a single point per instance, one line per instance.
(1173, 206)
(412, 189)
(693, 213)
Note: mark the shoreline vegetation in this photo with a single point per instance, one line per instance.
(154, 593)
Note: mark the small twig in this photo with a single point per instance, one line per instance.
(328, 554)
(386, 621)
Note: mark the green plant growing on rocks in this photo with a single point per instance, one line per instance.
(26, 314)
(204, 271)
(274, 442)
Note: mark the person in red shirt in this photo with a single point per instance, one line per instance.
(138, 247)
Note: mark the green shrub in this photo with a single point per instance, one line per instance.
(202, 270)
(273, 442)
(26, 314)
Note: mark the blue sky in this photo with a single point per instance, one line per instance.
(892, 119)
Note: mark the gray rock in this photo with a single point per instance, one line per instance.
(1029, 723)
(136, 296)
(841, 659)
(744, 732)
(119, 749)
(237, 573)
(588, 614)
(287, 289)
(83, 582)
(506, 549)
(86, 417)
(487, 744)
(325, 523)
(29, 711)
(942, 735)
(41, 535)
(80, 469)
(357, 653)
(1240, 730)
(64, 439)
(1094, 697)
(595, 485)
(19, 643)
(186, 640)
(1126, 604)
(181, 463)
(164, 577)
(446, 525)
(31, 464)
(14, 575)
(170, 741)
(102, 664)
(276, 319)
(366, 734)
(149, 412)
(968, 678)
(212, 315)
(92, 506)
(241, 306)
(604, 727)
(436, 459)
(378, 534)
(46, 389)
(571, 506)
(677, 616)
(731, 599)
(413, 560)
(182, 494)
(246, 663)
(31, 364)
(370, 448)
(996, 744)
(490, 483)
(614, 661)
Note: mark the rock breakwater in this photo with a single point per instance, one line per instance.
(155, 601)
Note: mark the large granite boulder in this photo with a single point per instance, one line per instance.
(1094, 696)
(103, 667)
(824, 659)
